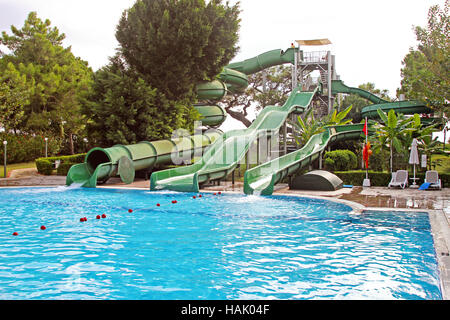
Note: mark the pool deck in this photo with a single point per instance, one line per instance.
(435, 202)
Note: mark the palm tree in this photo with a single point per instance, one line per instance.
(307, 127)
(392, 131)
(310, 126)
(338, 118)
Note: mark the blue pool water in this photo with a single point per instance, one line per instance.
(214, 247)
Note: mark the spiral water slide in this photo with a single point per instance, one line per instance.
(124, 160)
(263, 178)
(405, 107)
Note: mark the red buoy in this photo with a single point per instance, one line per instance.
(83, 219)
(220, 192)
(215, 193)
(130, 210)
(194, 197)
(199, 195)
(15, 234)
(43, 228)
(98, 216)
(103, 216)
(158, 205)
(174, 201)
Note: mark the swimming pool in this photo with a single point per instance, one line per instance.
(224, 246)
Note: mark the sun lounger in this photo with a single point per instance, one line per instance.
(432, 177)
(399, 179)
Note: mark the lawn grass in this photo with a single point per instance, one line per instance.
(442, 163)
(10, 167)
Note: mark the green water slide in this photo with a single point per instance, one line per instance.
(226, 153)
(233, 79)
(262, 179)
(102, 163)
(405, 107)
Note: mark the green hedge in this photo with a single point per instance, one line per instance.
(44, 166)
(47, 165)
(340, 160)
(382, 179)
(64, 168)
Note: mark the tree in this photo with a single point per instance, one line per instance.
(121, 99)
(14, 94)
(336, 118)
(58, 81)
(425, 75)
(359, 103)
(268, 87)
(429, 146)
(175, 44)
(391, 132)
(309, 125)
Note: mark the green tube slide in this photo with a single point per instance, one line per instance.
(262, 179)
(226, 153)
(265, 60)
(405, 107)
(102, 163)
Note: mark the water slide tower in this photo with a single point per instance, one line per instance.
(312, 67)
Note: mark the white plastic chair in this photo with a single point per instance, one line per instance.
(432, 177)
(399, 179)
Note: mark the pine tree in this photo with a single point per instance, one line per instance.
(58, 81)
(175, 44)
(125, 109)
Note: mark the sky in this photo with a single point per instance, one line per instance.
(369, 38)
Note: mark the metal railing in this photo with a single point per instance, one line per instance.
(315, 57)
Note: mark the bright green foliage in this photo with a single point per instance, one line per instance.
(46, 166)
(308, 126)
(175, 44)
(125, 109)
(424, 135)
(340, 160)
(425, 75)
(338, 118)
(27, 147)
(15, 92)
(57, 81)
(391, 133)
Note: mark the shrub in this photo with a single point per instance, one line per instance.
(64, 168)
(27, 147)
(43, 165)
(340, 160)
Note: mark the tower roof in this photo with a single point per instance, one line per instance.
(315, 42)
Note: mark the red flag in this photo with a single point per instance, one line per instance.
(367, 152)
(365, 127)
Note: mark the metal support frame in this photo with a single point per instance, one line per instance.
(330, 106)
(295, 70)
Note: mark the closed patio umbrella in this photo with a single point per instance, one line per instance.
(414, 159)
